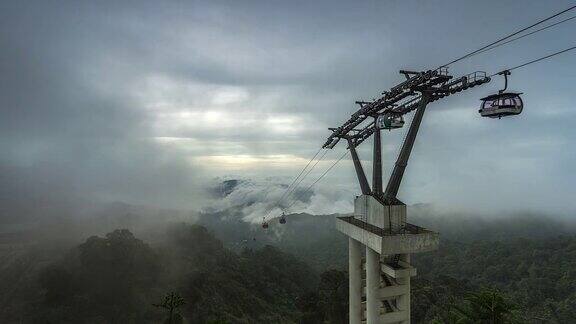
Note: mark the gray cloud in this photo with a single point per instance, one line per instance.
(145, 101)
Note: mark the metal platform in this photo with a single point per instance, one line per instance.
(410, 239)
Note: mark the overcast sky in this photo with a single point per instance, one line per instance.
(146, 101)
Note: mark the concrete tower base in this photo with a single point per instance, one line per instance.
(381, 232)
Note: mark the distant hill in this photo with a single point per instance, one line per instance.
(529, 257)
(118, 277)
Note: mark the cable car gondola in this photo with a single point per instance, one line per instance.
(282, 219)
(264, 223)
(390, 121)
(502, 103)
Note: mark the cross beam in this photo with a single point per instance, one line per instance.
(404, 98)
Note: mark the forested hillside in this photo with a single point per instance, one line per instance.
(527, 258)
(228, 271)
(118, 278)
(538, 275)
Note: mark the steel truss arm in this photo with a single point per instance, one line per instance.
(408, 88)
(403, 99)
(455, 86)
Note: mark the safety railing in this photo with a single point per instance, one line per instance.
(476, 76)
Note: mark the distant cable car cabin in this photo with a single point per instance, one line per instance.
(390, 121)
(282, 219)
(264, 223)
(502, 103)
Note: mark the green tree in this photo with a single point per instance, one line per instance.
(333, 296)
(488, 306)
(104, 279)
(171, 303)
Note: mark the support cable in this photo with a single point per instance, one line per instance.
(317, 180)
(298, 177)
(536, 60)
(296, 182)
(522, 36)
(507, 37)
(295, 188)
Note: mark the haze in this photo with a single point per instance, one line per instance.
(151, 102)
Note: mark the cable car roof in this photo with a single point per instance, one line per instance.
(502, 95)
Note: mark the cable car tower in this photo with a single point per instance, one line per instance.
(378, 229)
(380, 238)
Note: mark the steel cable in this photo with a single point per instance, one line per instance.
(295, 183)
(507, 37)
(319, 178)
(536, 60)
(531, 33)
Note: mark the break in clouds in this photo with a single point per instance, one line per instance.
(268, 198)
(150, 103)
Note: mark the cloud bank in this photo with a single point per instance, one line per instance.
(146, 102)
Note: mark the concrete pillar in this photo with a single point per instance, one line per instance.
(355, 280)
(404, 300)
(372, 286)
